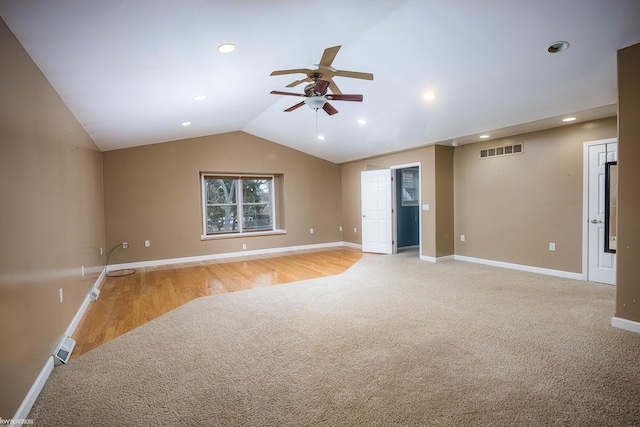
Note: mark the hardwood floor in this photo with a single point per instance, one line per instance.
(130, 301)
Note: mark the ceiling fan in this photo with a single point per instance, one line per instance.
(324, 71)
(320, 80)
(316, 97)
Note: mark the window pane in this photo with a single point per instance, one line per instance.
(257, 217)
(222, 219)
(256, 204)
(220, 190)
(256, 190)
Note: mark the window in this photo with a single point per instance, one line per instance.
(410, 187)
(237, 204)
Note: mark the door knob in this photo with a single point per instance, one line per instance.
(364, 216)
(595, 221)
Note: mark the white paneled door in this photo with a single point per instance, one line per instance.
(601, 264)
(376, 211)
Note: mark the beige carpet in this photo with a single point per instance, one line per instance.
(394, 341)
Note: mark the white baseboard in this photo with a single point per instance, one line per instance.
(434, 259)
(528, 268)
(80, 313)
(23, 411)
(628, 325)
(352, 245)
(210, 257)
(36, 388)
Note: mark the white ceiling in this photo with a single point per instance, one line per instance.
(129, 69)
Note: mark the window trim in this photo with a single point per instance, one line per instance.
(239, 177)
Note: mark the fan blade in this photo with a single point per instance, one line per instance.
(295, 71)
(334, 88)
(290, 109)
(277, 92)
(297, 82)
(329, 55)
(329, 109)
(344, 97)
(354, 75)
(321, 86)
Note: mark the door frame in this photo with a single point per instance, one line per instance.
(585, 202)
(394, 200)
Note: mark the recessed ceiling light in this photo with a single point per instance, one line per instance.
(484, 136)
(557, 47)
(226, 48)
(200, 97)
(429, 96)
(186, 123)
(362, 122)
(321, 137)
(568, 119)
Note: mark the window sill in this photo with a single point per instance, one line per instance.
(239, 235)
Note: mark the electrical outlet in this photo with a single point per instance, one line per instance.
(244, 246)
(311, 231)
(462, 237)
(61, 293)
(147, 243)
(125, 245)
(340, 229)
(552, 246)
(355, 230)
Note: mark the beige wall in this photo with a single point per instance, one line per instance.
(444, 180)
(153, 193)
(51, 220)
(437, 223)
(511, 207)
(628, 273)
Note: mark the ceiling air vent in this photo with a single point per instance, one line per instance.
(505, 150)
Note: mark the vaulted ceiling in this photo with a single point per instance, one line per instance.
(129, 69)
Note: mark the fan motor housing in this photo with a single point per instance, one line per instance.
(309, 90)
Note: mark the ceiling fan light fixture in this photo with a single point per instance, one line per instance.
(315, 102)
(557, 47)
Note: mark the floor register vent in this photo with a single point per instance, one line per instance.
(505, 150)
(63, 350)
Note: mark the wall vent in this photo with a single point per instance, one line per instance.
(505, 150)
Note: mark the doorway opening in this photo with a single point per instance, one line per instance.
(406, 219)
(391, 201)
